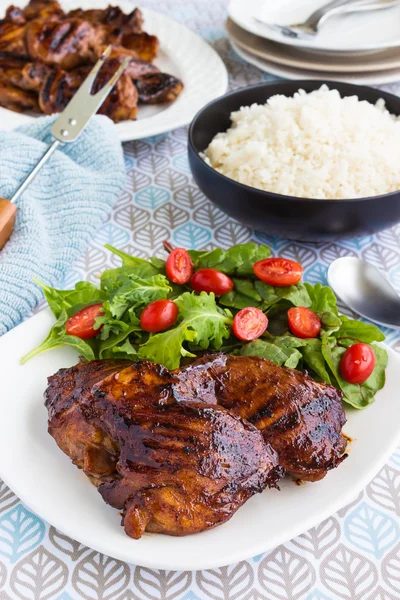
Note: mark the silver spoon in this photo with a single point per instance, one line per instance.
(365, 289)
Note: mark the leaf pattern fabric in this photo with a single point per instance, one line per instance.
(352, 555)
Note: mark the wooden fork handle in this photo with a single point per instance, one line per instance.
(8, 213)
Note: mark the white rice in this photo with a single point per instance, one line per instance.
(315, 145)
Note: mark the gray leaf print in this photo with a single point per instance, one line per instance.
(381, 594)
(7, 497)
(286, 575)
(189, 197)
(137, 148)
(171, 180)
(168, 146)
(319, 539)
(98, 577)
(231, 233)
(227, 583)
(390, 237)
(92, 260)
(152, 163)
(343, 511)
(304, 255)
(125, 198)
(391, 569)
(127, 595)
(383, 258)
(385, 489)
(66, 545)
(347, 574)
(132, 217)
(161, 585)
(334, 251)
(39, 576)
(209, 215)
(3, 575)
(151, 236)
(138, 181)
(181, 134)
(171, 215)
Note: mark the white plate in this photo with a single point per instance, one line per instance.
(371, 78)
(182, 53)
(46, 480)
(357, 32)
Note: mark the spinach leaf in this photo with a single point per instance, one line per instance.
(237, 260)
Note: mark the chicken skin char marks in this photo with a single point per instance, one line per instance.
(173, 468)
(64, 46)
(158, 443)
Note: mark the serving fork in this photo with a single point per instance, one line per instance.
(311, 26)
(65, 129)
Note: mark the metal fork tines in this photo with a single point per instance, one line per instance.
(311, 26)
(74, 118)
(84, 104)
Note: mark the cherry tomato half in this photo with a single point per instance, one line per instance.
(249, 323)
(158, 316)
(81, 324)
(303, 322)
(179, 266)
(278, 271)
(357, 363)
(211, 280)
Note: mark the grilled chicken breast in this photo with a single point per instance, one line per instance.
(174, 468)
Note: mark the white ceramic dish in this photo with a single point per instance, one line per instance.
(182, 53)
(45, 479)
(357, 32)
(268, 66)
(300, 58)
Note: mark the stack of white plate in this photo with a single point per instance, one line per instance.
(361, 47)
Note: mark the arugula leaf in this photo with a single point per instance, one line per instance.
(237, 260)
(201, 322)
(57, 337)
(83, 294)
(154, 266)
(137, 292)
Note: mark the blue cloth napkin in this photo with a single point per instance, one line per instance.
(59, 212)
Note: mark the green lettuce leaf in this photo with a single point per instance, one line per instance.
(57, 338)
(201, 323)
(237, 260)
(83, 294)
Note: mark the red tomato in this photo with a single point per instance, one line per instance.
(357, 363)
(159, 315)
(249, 323)
(303, 322)
(278, 271)
(179, 266)
(81, 324)
(211, 280)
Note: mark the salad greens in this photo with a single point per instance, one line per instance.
(204, 321)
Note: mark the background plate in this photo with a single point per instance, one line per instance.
(182, 53)
(301, 59)
(358, 32)
(45, 479)
(268, 66)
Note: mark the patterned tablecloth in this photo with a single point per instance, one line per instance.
(353, 555)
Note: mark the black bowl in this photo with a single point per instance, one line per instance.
(287, 216)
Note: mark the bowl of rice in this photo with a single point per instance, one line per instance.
(301, 159)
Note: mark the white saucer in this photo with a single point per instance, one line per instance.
(357, 32)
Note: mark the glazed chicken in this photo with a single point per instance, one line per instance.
(300, 418)
(61, 48)
(173, 468)
(179, 452)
